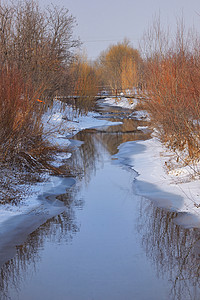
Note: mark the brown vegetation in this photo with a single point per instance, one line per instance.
(120, 67)
(173, 86)
(84, 80)
(37, 41)
(19, 113)
(35, 53)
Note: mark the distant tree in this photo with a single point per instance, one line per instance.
(120, 66)
(84, 81)
(129, 74)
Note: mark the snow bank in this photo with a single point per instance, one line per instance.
(32, 204)
(175, 191)
(59, 124)
(121, 102)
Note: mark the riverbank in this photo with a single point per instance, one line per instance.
(160, 178)
(60, 124)
(169, 183)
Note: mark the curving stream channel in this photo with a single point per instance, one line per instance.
(109, 243)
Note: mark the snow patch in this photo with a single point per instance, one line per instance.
(121, 102)
(141, 115)
(142, 128)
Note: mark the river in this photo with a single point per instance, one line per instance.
(109, 243)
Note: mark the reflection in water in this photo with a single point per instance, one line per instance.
(173, 250)
(63, 227)
(85, 159)
(96, 141)
(58, 229)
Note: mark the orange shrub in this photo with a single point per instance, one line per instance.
(173, 86)
(20, 115)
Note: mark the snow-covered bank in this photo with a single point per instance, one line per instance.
(175, 191)
(129, 103)
(175, 188)
(62, 124)
(59, 126)
(121, 102)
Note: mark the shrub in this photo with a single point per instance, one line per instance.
(20, 115)
(173, 85)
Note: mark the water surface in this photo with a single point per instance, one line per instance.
(109, 243)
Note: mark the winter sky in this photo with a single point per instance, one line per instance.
(105, 22)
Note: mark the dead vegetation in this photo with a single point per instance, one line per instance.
(172, 76)
(36, 49)
(24, 152)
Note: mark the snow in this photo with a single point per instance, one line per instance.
(175, 188)
(121, 102)
(169, 184)
(129, 103)
(142, 128)
(59, 124)
(59, 158)
(32, 203)
(141, 115)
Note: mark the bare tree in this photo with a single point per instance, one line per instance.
(6, 25)
(38, 41)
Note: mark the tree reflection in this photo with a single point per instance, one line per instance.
(173, 250)
(97, 141)
(113, 136)
(59, 229)
(86, 157)
(62, 228)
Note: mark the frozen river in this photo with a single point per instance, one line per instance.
(109, 243)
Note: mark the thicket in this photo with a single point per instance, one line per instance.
(36, 50)
(172, 79)
(20, 125)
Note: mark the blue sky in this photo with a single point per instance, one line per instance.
(105, 22)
